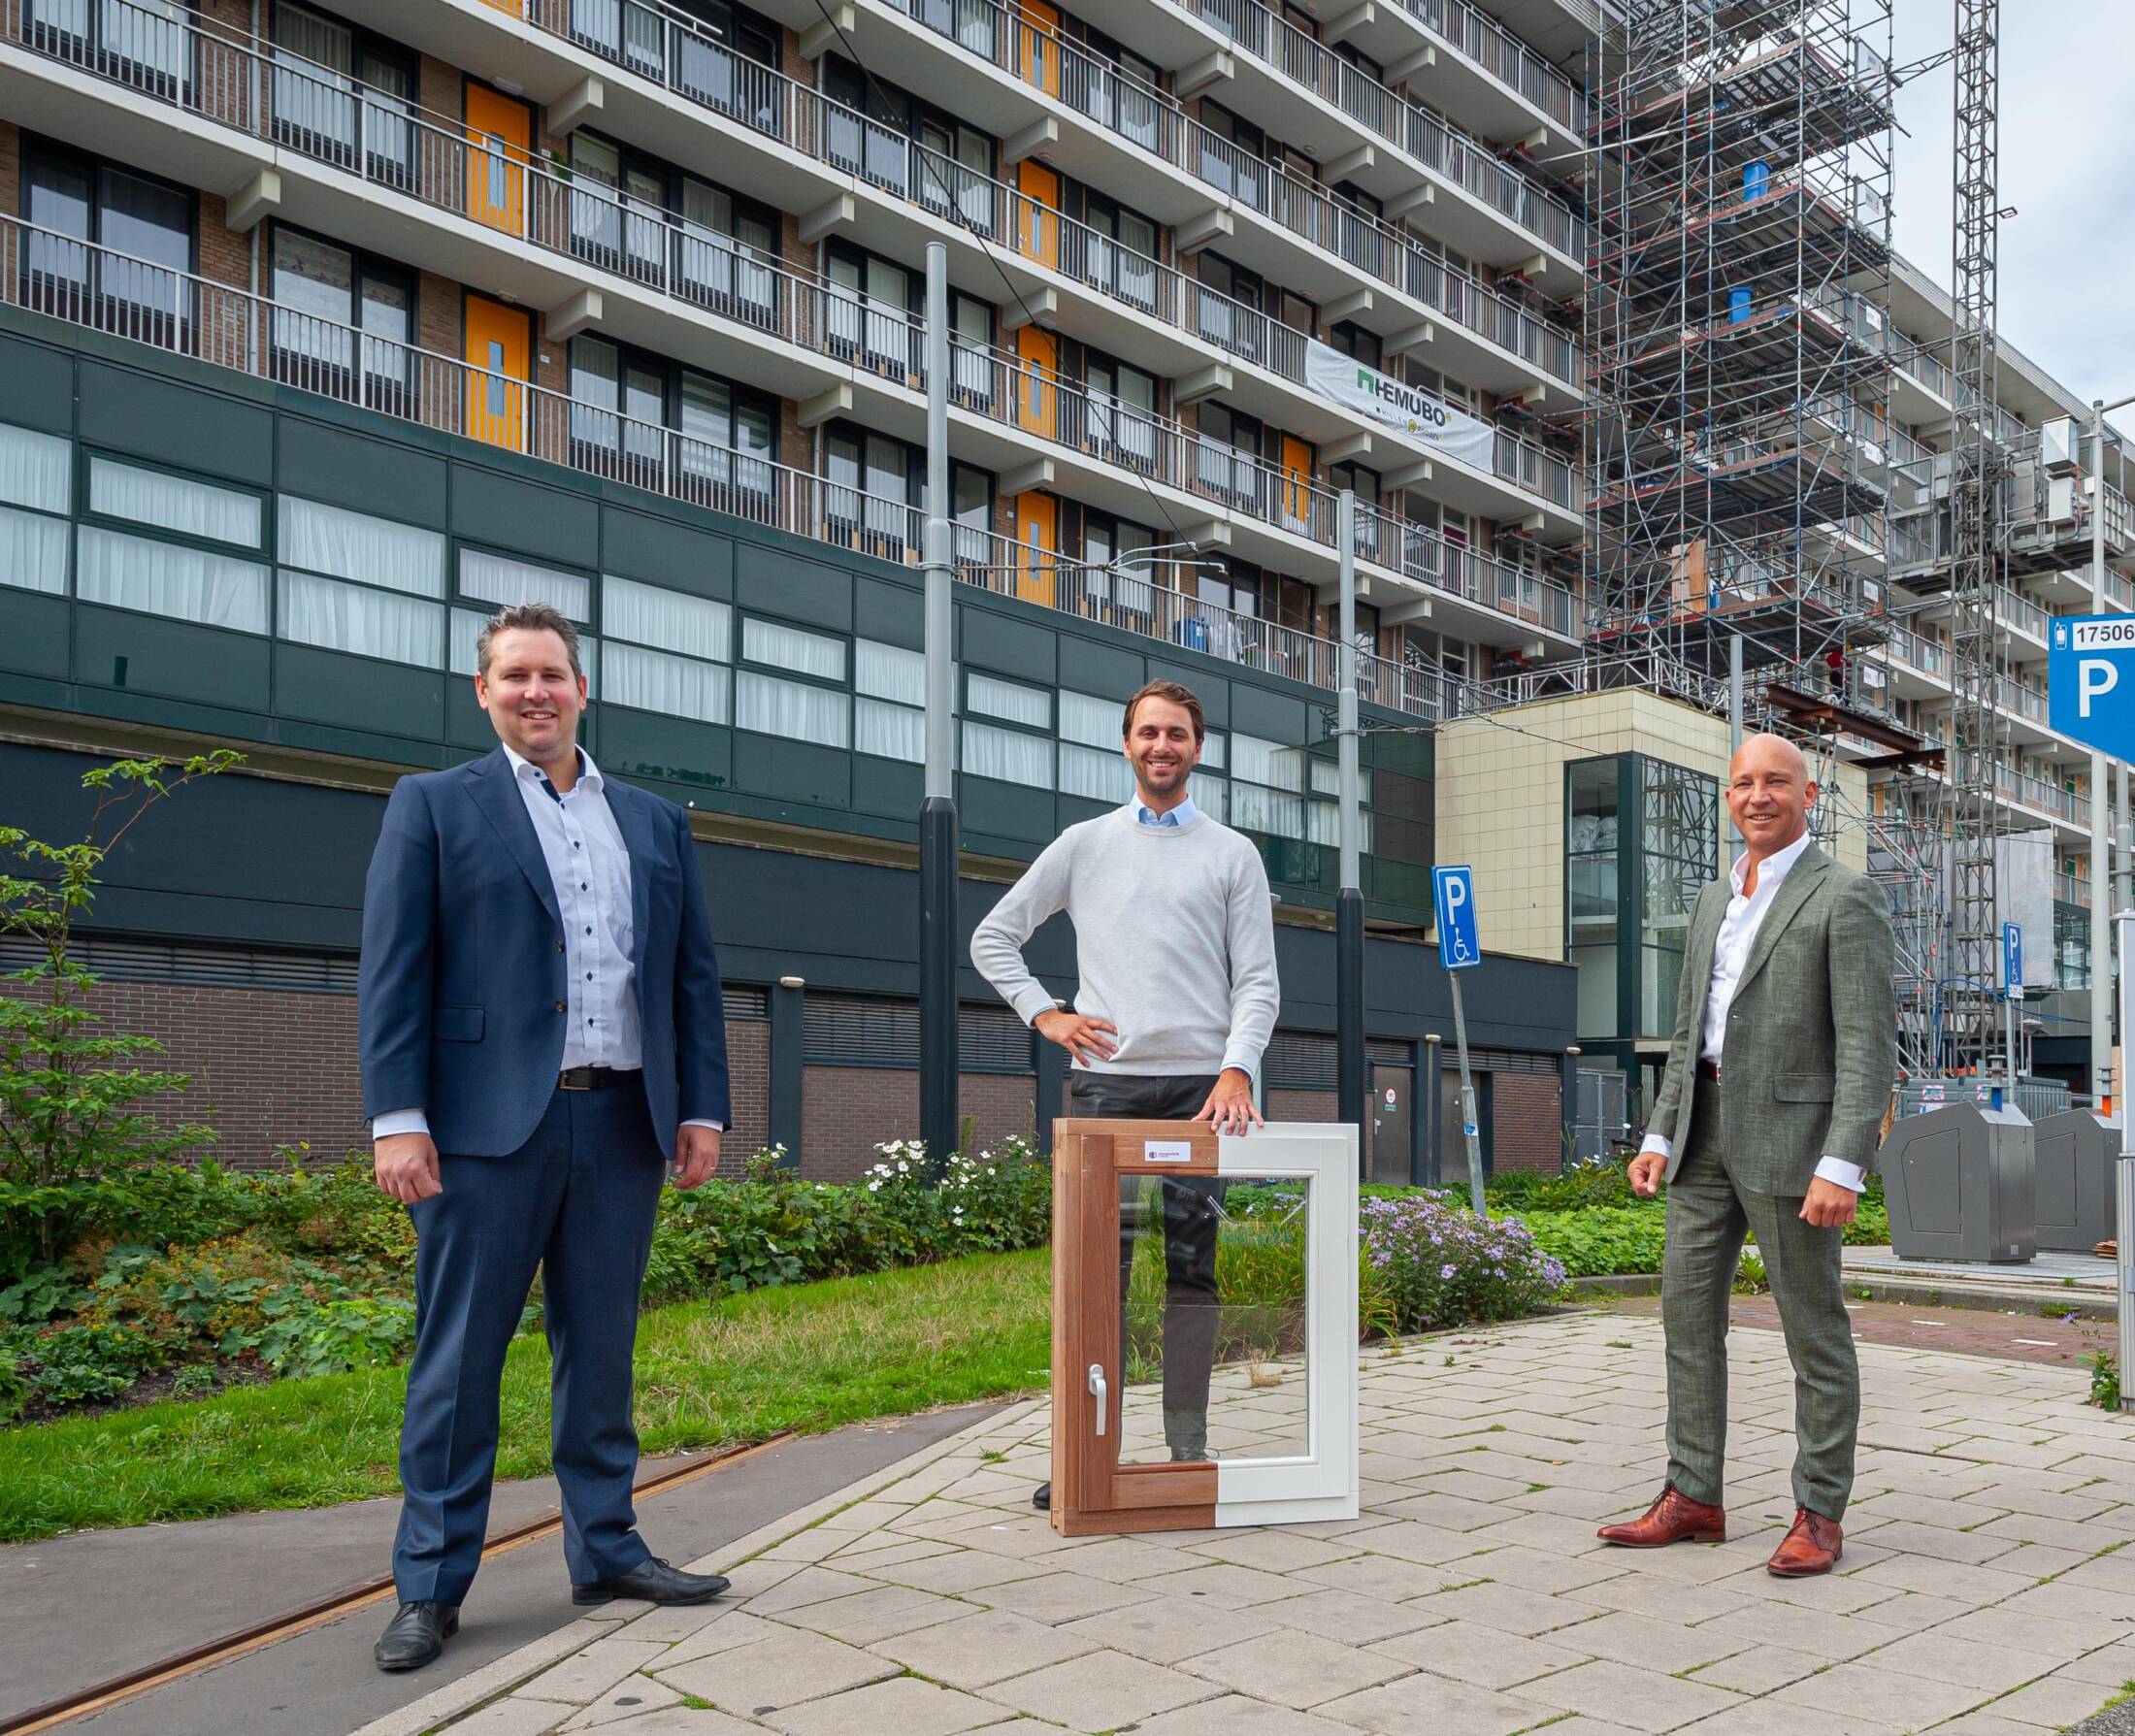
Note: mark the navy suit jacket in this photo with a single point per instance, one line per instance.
(461, 997)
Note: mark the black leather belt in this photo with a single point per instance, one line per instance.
(1709, 1070)
(595, 1078)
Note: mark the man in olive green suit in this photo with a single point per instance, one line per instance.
(1768, 1120)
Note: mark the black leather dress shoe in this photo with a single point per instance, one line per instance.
(654, 1581)
(416, 1634)
(1041, 1497)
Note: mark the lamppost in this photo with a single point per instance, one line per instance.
(2101, 886)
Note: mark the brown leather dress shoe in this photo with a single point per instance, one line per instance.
(1673, 1519)
(1809, 1548)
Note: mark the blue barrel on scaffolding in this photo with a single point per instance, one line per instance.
(1738, 305)
(1756, 180)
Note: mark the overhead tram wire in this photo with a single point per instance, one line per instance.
(956, 215)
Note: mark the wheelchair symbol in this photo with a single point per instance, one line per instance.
(1460, 953)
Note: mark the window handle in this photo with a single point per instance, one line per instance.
(1096, 1391)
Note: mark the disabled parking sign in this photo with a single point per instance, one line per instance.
(2090, 682)
(1453, 891)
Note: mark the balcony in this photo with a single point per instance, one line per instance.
(1292, 229)
(675, 283)
(184, 314)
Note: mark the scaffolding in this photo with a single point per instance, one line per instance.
(1740, 367)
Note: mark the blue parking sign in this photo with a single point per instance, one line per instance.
(2012, 958)
(1453, 891)
(2090, 682)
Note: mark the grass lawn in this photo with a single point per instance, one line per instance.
(811, 1357)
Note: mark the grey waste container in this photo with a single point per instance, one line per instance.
(1958, 1182)
(2077, 1150)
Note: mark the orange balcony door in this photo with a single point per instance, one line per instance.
(1037, 382)
(1037, 213)
(500, 141)
(1296, 484)
(1037, 531)
(1037, 38)
(499, 340)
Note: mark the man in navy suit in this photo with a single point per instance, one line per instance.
(542, 1037)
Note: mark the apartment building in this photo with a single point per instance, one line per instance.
(323, 332)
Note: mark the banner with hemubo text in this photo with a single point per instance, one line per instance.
(1423, 420)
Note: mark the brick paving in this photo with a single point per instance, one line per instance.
(1984, 1590)
(2021, 1337)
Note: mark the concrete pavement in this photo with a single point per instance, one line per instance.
(1984, 1590)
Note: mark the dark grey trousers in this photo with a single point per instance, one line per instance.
(1708, 1215)
(1191, 1308)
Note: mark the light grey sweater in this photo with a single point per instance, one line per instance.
(1175, 939)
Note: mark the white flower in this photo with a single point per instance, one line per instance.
(874, 1187)
(902, 1167)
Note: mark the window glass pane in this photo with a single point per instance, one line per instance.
(890, 732)
(60, 194)
(1211, 795)
(672, 686)
(707, 409)
(387, 309)
(1008, 755)
(174, 503)
(690, 626)
(595, 373)
(33, 552)
(465, 625)
(789, 710)
(595, 158)
(1270, 811)
(313, 276)
(35, 469)
(368, 623)
(1093, 772)
(789, 649)
(889, 671)
(497, 578)
(162, 579)
(355, 546)
(147, 219)
(1264, 762)
(1092, 722)
(1326, 777)
(1212, 751)
(1007, 698)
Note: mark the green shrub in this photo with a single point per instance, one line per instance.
(80, 1363)
(1601, 1239)
(1443, 1266)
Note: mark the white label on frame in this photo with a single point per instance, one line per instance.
(1166, 1151)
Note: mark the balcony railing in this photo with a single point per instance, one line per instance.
(184, 314)
(306, 109)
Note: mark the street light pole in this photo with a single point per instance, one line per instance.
(2101, 885)
(938, 928)
(1348, 900)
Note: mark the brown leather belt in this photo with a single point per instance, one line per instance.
(1709, 1070)
(595, 1078)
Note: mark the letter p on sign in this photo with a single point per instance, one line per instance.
(2095, 677)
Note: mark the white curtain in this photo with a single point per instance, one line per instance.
(33, 552)
(466, 625)
(672, 686)
(361, 621)
(1007, 698)
(1093, 772)
(1264, 762)
(161, 578)
(1212, 752)
(1092, 722)
(355, 546)
(1008, 755)
(890, 732)
(497, 578)
(689, 626)
(1212, 796)
(786, 708)
(1270, 811)
(36, 468)
(789, 649)
(173, 503)
(889, 671)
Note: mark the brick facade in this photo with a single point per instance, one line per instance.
(748, 1084)
(1527, 1123)
(1288, 1103)
(11, 168)
(846, 1111)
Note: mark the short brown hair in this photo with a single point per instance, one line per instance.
(528, 617)
(1178, 694)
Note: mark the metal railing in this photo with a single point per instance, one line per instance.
(186, 315)
(320, 114)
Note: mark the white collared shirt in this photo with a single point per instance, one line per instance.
(1182, 815)
(589, 871)
(1745, 915)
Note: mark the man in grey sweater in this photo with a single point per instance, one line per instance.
(1176, 953)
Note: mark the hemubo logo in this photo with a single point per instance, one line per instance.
(1418, 411)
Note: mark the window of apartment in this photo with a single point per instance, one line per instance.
(353, 582)
(1230, 148)
(1353, 341)
(620, 205)
(1227, 453)
(871, 320)
(37, 485)
(878, 488)
(343, 321)
(146, 44)
(343, 93)
(956, 171)
(817, 708)
(89, 205)
(184, 570)
(665, 651)
(1019, 748)
(1090, 763)
(1123, 97)
(624, 400)
(503, 580)
(889, 715)
(1122, 407)
(1267, 787)
(1124, 263)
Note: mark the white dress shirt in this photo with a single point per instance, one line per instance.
(1746, 913)
(589, 868)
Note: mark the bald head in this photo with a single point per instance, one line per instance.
(1769, 793)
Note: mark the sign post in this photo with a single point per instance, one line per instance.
(2011, 994)
(1453, 891)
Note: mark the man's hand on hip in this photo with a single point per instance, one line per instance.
(1830, 1206)
(696, 1155)
(1646, 1171)
(405, 1165)
(1231, 1106)
(1086, 1040)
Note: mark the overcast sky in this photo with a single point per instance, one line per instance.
(2067, 88)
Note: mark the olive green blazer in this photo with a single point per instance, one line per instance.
(1811, 1048)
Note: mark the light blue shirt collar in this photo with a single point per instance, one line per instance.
(1185, 814)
